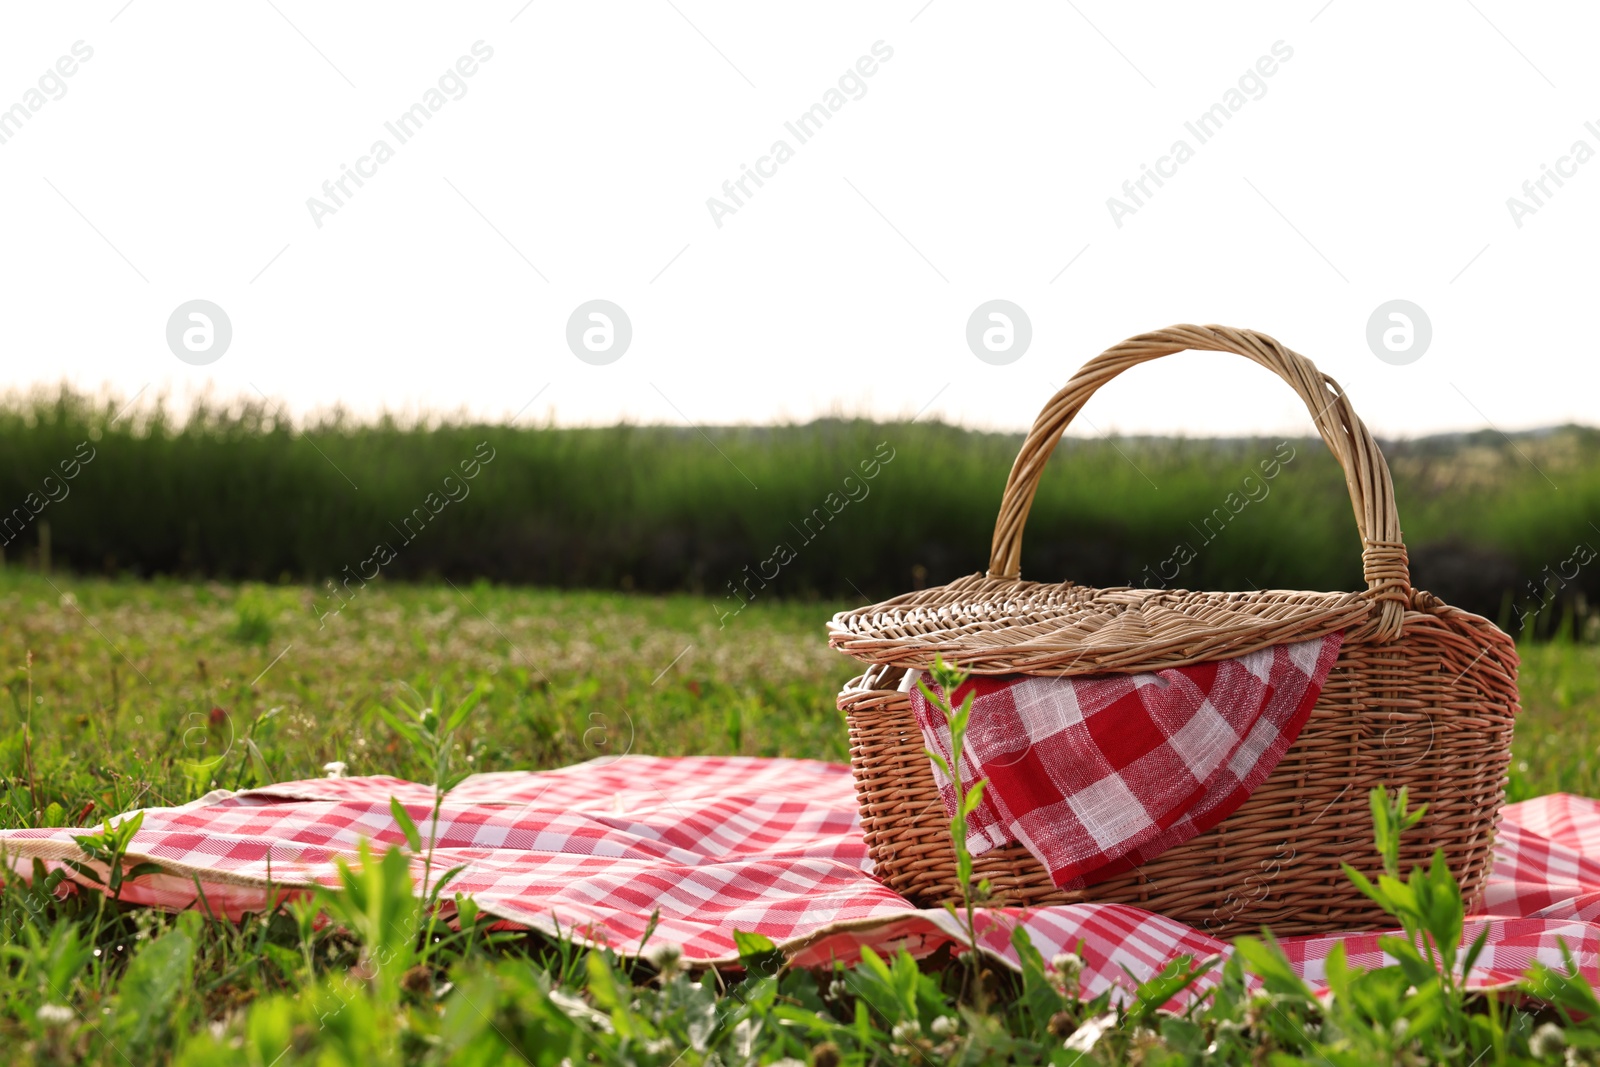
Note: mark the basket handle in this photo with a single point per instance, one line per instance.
(1383, 554)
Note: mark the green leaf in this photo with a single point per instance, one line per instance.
(815, 1024)
(443, 880)
(1409, 958)
(873, 963)
(375, 903)
(1444, 913)
(84, 870)
(1177, 976)
(1336, 972)
(286, 960)
(700, 1015)
(1402, 896)
(1478, 943)
(123, 832)
(1371, 891)
(1183, 1035)
(158, 973)
(407, 826)
(459, 716)
(466, 911)
(258, 762)
(407, 730)
(758, 954)
(603, 985)
(1039, 1000)
(1266, 960)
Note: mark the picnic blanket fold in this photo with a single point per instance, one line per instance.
(772, 846)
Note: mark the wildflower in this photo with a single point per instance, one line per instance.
(945, 1025)
(906, 1031)
(665, 958)
(1545, 1043)
(1066, 967)
(55, 1014)
(334, 769)
(1085, 1037)
(1259, 1007)
(906, 1037)
(825, 1055)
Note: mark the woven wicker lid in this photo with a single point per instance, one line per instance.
(995, 623)
(1003, 626)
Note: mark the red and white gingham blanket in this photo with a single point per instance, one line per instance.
(1098, 774)
(772, 846)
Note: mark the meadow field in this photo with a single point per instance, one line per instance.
(124, 693)
(138, 694)
(227, 601)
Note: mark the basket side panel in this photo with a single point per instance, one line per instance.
(1432, 712)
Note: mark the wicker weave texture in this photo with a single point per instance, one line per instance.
(1423, 695)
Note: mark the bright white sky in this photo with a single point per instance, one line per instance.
(1376, 166)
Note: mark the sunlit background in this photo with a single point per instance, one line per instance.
(974, 163)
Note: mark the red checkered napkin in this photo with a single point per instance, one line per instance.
(1098, 774)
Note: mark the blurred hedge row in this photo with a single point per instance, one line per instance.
(845, 509)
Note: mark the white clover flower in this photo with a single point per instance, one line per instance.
(906, 1031)
(1546, 1041)
(1067, 964)
(334, 769)
(664, 957)
(1087, 1036)
(945, 1025)
(55, 1014)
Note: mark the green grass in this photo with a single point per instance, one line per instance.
(144, 694)
(131, 681)
(1557, 747)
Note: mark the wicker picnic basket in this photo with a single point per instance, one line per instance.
(1422, 695)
